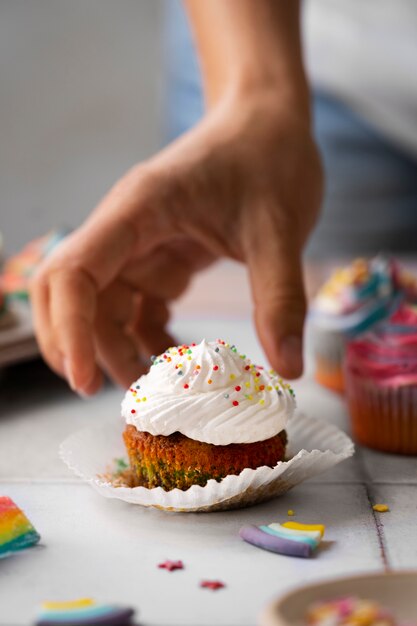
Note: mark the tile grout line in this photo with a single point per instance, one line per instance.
(379, 526)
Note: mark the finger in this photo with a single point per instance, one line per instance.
(274, 259)
(79, 269)
(150, 326)
(72, 311)
(117, 349)
(39, 298)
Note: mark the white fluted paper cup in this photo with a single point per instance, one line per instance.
(314, 446)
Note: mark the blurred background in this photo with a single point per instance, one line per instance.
(90, 88)
(80, 102)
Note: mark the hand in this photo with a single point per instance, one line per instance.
(244, 184)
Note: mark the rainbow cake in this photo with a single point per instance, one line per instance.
(351, 611)
(16, 532)
(352, 301)
(381, 384)
(204, 412)
(83, 612)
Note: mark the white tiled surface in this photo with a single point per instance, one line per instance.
(110, 550)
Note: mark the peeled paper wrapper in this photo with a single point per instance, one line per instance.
(313, 447)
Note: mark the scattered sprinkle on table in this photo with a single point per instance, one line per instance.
(381, 508)
(290, 513)
(212, 584)
(171, 566)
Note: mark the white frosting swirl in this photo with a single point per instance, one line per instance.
(211, 393)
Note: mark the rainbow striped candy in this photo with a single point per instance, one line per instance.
(16, 532)
(290, 538)
(83, 612)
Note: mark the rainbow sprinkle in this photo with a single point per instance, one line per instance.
(16, 532)
(254, 392)
(82, 613)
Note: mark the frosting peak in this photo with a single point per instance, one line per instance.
(209, 392)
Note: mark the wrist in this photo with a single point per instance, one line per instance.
(263, 92)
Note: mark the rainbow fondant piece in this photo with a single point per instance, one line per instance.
(16, 531)
(290, 538)
(84, 612)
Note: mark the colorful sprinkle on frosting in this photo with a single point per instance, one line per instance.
(360, 295)
(215, 395)
(16, 531)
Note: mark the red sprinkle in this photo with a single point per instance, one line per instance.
(133, 411)
(171, 565)
(186, 386)
(238, 388)
(235, 403)
(216, 367)
(258, 373)
(212, 584)
(261, 387)
(247, 367)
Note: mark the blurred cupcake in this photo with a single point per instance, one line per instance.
(203, 412)
(351, 302)
(381, 384)
(19, 268)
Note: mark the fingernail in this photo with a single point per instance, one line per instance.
(292, 354)
(68, 375)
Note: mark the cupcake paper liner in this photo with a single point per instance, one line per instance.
(383, 417)
(314, 446)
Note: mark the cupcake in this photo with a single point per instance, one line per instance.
(351, 302)
(19, 269)
(381, 384)
(203, 412)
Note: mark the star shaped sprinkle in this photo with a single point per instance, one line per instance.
(212, 584)
(171, 565)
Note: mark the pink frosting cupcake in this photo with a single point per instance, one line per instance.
(381, 381)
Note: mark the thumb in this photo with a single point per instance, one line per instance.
(275, 271)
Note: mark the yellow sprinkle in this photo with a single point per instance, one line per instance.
(247, 385)
(179, 365)
(381, 508)
(269, 388)
(232, 376)
(261, 401)
(189, 358)
(137, 399)
(71, 604)
(290, 513)
(227, 345)
(144, 399)
(297, 526)
(250, 397)
(209, 381)
(256, 387)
